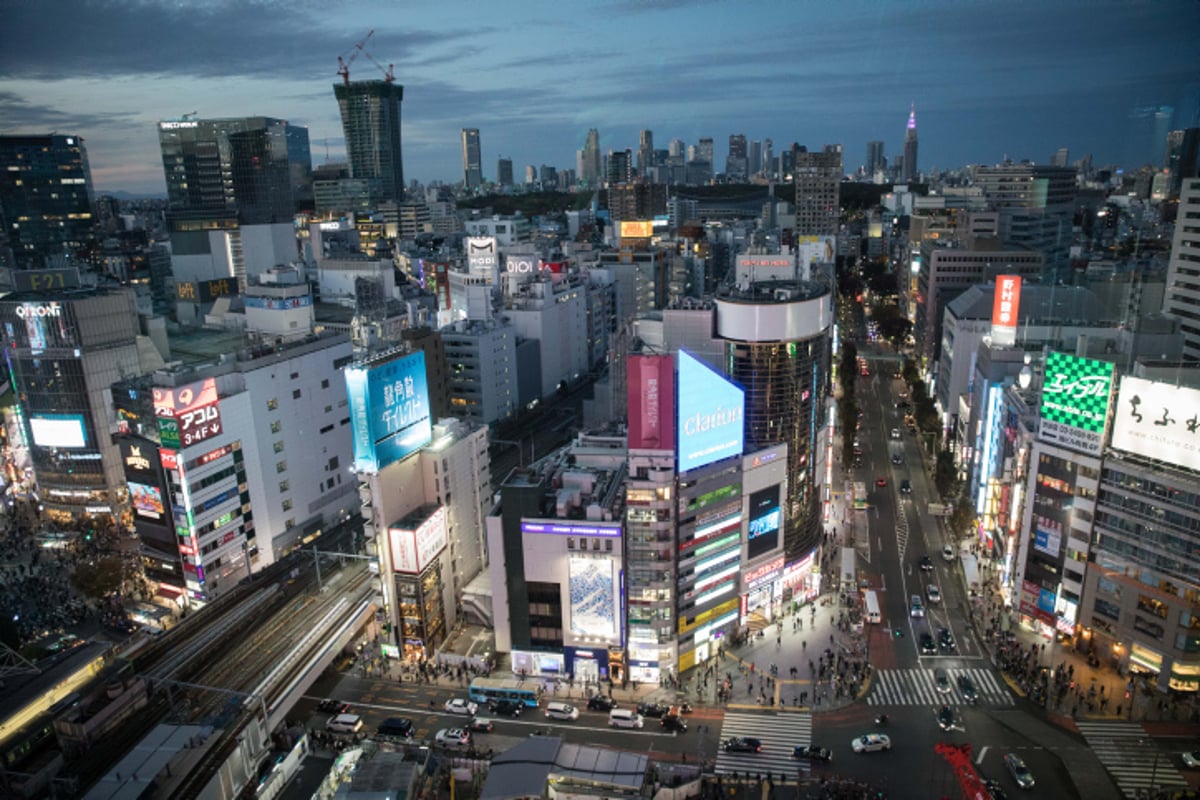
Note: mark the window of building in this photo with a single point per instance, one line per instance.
(278, 446)
(284, 486)
(295, 375)
(287, 505)
(276, 426)
(281, 466)
(272, 404)
(333, 464)
(295, 394)
(1110, 610)
(325, 383)
(570, 542)
(291, 523)
(1152, 605)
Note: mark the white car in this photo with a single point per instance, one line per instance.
(871, 742)
(948, 554)
(933, 593)
(1191, 759)
(459, 706)
(453, 737)
(895, 433)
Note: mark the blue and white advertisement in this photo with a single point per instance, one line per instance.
(389, 410)
(711, 413)
(593, 597)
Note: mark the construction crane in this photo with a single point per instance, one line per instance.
(343, 68)
(959, 758)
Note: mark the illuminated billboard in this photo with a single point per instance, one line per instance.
(389, 410)
(766, 518)
(1075, 398)
(187, 414)
(710, 415)
(1006, 303)
(66, 431)
(651, 402)
(414, 550)
(482, 255)
(637, 229)
(593, 591)
(1159, 421)
(147, 500)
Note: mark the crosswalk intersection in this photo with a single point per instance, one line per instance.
(916, 687)
(779, 733)
(1131, 756)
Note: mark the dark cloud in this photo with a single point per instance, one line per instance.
(19, 115)
(97, 38)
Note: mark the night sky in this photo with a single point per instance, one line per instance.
(990, 80)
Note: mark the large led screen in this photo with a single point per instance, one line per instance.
(147, 500)
(593, 597)
(651, 402)
(710, 415)
(58, 430)
(389, 410)
(766, 518)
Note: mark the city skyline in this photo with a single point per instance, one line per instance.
(988, 80)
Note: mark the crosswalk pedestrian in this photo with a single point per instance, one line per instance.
(1132, 758)
(780, 734)
(917, 687)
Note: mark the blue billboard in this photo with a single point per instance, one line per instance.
(389, 410)
(710, 415)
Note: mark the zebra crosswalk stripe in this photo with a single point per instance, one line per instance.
(1130, 756)
(916, 686)
(779, 733)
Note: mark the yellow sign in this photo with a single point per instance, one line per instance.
(686, 625)
(637, 229)
(186, 291)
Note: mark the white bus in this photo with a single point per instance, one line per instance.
(871, 607)
(849, 569)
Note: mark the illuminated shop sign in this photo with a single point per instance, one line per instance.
(710, 415)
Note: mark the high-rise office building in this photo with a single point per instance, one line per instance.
(1061, 157)
(45, 196)
(777, 348)
(1182, 300)
(754, 157)
(620, 166)
(1183, 157)
(1037, 209)
(371, 121)
(704, 150)
(737, 165)
(589, 159)
(818, 178)
(768, 159)
(910, 147)
(472, 159)
(246, 169)
(874, 157)
(504, 173)
(645, 154)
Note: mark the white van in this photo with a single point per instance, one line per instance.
(561, 711)
(344, 723)
(625, 718)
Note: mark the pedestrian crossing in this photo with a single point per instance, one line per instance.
(779, 734)
(1132, 758)
(916, 687)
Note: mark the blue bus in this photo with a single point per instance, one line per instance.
(489, 690)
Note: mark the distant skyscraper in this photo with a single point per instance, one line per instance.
(754, 156)
(371, 123)
(239, 168)
(1061, 157)
(1037, 209)
(530, 174)
(704, 150)
(737, 163)
(45, 196)
(818, 179)
(472, 159)
(910, 147)
(1183, 157)
(620, 166)
(589, 163)
(677, 149)
(645, 154)
(768, 158)
(504, 173)
(874, 157)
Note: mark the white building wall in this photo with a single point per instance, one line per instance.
(560, 329)
(267, 246)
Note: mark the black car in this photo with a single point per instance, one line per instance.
(995, 790)
(812, 753)
(928, 648)
(652, 709)
(742, 744)
(926, 564)
(945, 718)
(673, 722)
(601, 702)
(333, 706)
(945, 639)
(396, 726)
(506, 708)
(966, 687)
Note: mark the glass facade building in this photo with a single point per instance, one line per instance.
(45, 196)
(371, 121)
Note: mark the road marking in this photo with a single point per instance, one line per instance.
(982, 752)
